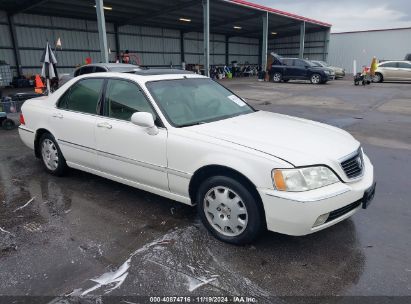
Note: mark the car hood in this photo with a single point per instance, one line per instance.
(295, 140)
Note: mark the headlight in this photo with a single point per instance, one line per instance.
(327, 72)
(303, 179)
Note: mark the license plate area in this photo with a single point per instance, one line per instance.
(368, 196)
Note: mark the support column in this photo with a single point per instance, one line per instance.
(326, 44)
(302, 40)
(101, 23)
(206, 32)
(117, 39)
(264, 42)
(227, 50)
(182, 50)
(16, 51)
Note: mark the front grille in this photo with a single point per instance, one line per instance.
(344, 210)
(353, 166)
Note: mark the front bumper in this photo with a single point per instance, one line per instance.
(295, 213)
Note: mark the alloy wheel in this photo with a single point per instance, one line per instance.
(315, 78)
(225, 211)
(49, 154)
(277, 77)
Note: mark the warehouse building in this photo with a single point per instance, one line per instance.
(157, 33)
(361, 46)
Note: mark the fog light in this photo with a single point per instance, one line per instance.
(321, 219)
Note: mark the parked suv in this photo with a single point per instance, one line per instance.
(284, 69)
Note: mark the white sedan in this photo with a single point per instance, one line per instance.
(185, 137)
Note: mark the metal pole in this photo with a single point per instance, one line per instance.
(117, 39)
(227, 50)
(182, 51)
(206, 23)
(264, 42)
(302, 40)
(16, 51)
(101, 22)
(326, 44)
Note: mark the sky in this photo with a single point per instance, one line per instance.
(349, 15)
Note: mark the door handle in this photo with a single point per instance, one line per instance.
(58, 115)
(104, 125)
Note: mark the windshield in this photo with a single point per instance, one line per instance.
(187, 102)
(322, 63)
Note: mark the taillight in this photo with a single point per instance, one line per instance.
(22, 119)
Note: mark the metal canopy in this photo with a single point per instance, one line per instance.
(224, 15)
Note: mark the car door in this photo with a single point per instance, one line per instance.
(74, 121)
(300, 69)
(124, 149)
(288, 68)
(389, 70)
(404, 71)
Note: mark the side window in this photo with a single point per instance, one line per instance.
(389, 65)
(87, 70)
(288, 62)
(82, 96)
(124, 98)
(404, 65)
(99, 69)
(299, 63)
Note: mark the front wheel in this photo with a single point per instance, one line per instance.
(315, 78)
(51, 155)
(229, 211)
(377, 77)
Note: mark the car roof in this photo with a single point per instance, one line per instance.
(143, 76)
(151, 72)
(406, 61)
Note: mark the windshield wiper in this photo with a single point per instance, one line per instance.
(192, 124)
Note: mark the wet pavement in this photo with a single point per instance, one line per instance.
(85, 235)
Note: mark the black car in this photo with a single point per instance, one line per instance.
(285, 69)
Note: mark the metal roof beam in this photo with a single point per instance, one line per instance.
(165, 10)
(27, 6)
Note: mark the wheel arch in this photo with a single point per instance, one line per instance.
(39, 134)
(207, 171)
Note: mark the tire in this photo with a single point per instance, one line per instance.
(216, 204)
(378, 77)
(51, 156)
(8, 124)
(277, 77)
(315, 78)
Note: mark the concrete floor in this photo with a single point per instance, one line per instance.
(80, 227)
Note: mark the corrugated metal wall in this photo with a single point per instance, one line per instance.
(314, 46)
(6, 46)
(362, 46)
(148, 46)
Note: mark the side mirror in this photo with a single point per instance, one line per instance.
(145, 120)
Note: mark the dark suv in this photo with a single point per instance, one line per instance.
(284, 69)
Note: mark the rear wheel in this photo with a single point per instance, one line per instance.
(277, 77)
(8, 124)
(229, 211)
(51, 155)
(315, 78)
